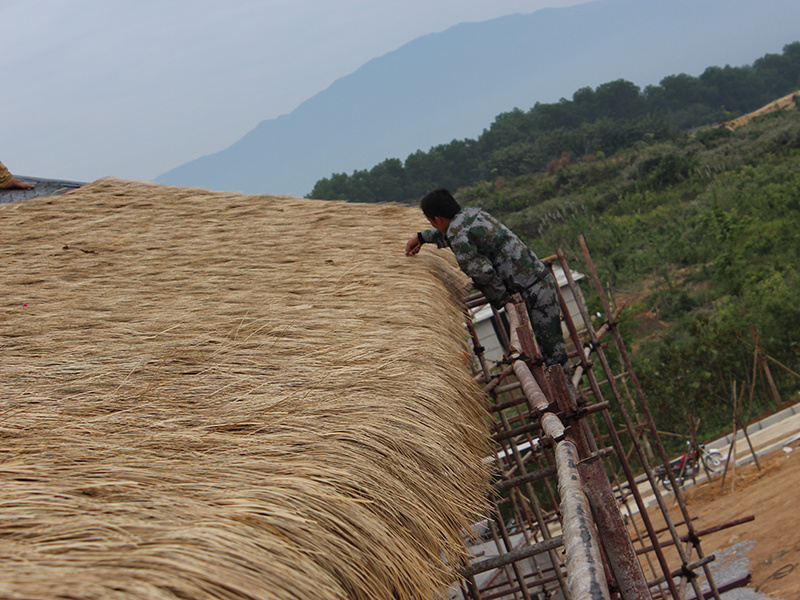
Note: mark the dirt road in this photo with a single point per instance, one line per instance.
(770, 543)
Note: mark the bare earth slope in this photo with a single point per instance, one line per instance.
(770, 543)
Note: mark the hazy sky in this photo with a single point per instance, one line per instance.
(133, 88)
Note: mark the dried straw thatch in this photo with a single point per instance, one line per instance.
(224, 396)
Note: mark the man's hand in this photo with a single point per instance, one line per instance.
(413, 246)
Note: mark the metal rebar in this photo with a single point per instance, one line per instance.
(651, 423)
(495, 381)
(622, 559)
(677, 572)
(542, 414)
(615, 438)
(515, 555)
(534, 500)
(477, 348)
(699, 533)
(501, 328)
(621, 554)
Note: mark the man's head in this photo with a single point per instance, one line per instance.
(439, 207)
(439, 203)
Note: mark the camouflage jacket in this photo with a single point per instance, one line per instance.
(498, 262)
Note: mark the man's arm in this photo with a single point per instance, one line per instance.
(429, 236)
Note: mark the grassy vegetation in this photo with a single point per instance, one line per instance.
(700, 234)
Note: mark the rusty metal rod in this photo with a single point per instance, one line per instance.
(726, 587)
(509, 557)
(477, 302)
(509, 404)
(498, 321)
(477, 348)
(649, 419)
(506, 484)
(622, 558)
(507, 388)
(495, 381)
(678, 572)
(617, 443)
(534, 500)
(512, 433)
(627, 469)
(699, 533)
(503, 593)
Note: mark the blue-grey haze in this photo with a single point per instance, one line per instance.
(451, 85)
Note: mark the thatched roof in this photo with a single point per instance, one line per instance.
(223, 396)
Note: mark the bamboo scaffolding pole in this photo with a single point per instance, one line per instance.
(753, 453)
(780, 364)
(517, 426)
(619, 549)
(581, 541)
(612, 431)
(731, 459)
(584, 561)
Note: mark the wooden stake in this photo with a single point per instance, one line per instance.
(773, 388)
(733, 450)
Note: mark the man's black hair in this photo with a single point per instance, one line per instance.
(439, 203)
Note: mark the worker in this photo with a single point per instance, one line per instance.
(498, 262)
(8, 181)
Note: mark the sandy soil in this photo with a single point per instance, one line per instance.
(771, 541)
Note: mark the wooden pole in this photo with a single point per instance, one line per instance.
(773, 388)
(733, 447)
(755, 370)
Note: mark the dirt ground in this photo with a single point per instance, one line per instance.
(771, 541)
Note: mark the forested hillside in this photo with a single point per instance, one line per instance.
(594, 123)
(697, 229)
(700, 235)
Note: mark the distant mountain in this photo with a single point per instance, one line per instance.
(451, 85)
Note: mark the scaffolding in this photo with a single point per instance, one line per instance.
(570, 518)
